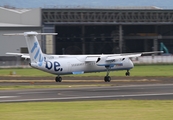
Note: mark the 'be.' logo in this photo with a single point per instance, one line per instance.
(55, 65)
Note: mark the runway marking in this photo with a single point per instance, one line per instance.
(147, 85)
(85, 97)
(23, 93)
(7, 96)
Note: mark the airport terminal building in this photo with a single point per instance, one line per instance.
(84, 30)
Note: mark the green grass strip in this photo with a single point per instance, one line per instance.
(89, 110)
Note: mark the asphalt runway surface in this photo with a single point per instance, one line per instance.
(132, 92)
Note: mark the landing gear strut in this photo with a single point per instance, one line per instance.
(127, 73)
(107, 78)
(58, 79)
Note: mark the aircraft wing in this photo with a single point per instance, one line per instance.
(20, 54)
(109, 58)
(142, 53)
(118, 56)
(130, 55)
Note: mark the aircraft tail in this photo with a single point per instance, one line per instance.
(35, 52)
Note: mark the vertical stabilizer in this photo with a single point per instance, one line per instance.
(35, 52)
(34, 49)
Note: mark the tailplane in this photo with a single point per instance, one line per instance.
(35, 52)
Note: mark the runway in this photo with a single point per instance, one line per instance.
(140, 92)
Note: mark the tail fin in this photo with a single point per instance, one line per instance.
(34, 49)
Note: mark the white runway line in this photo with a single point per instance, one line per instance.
(2, 97)
(25, 93)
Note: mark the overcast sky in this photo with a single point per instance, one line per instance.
(105, 3)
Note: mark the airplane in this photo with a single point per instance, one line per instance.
(74, 64)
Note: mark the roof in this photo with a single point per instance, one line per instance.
(15, 25)
(102, 7)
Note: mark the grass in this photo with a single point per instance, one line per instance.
(89, 110)
(23, 72)
(138, 70)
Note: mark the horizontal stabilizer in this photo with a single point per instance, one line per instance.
(19, 54)
(14, 34)
(29, 34)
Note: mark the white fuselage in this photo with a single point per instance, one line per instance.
(76, 64)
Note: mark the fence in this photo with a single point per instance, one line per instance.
(15, 64)
(153, 59)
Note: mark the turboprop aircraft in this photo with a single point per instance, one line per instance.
(74, 64)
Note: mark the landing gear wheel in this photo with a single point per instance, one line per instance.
(58, 79)
(127, 73)
(107, 78)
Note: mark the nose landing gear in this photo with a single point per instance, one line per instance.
(127, 73)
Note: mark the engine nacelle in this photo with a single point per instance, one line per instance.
(101, 61)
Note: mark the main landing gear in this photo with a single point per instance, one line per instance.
(107, 77)
(58, 79)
